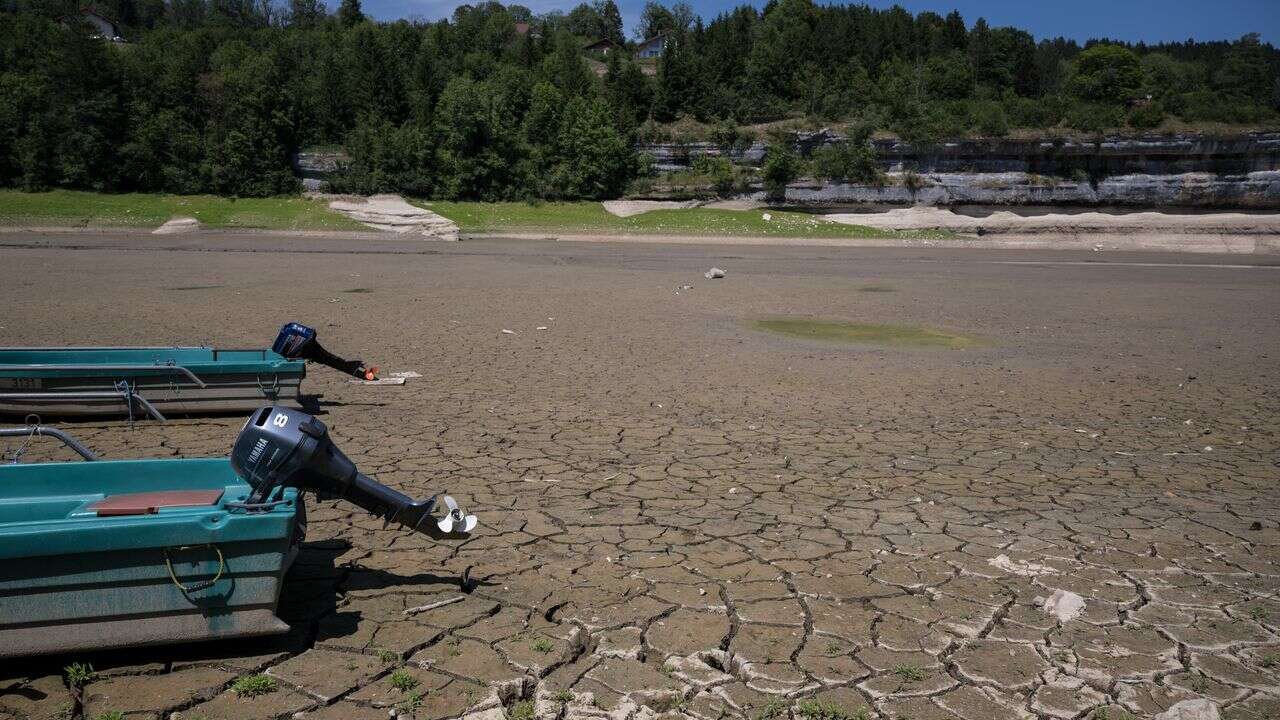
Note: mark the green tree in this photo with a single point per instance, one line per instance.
(781, 166)
(481, 150)
(386, 158)
(611, 21)
(306, 13)
(655, 20)
(566, 70)
(678, 87)
(628, 92)
(595, 161)
(1106, 74)
(1246, 74)
(782, 46)
(349, 13)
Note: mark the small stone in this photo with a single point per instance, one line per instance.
(766, 217)
(541, 327)
(508, 332)
(714, 273)
(1256, 525)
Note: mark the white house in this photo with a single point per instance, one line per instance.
(652, 48)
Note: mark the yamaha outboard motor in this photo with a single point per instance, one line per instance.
(279, 447)
(298, 342)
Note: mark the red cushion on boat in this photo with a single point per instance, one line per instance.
(146, 503)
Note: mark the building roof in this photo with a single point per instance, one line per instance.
(91, 10)
(660, 37)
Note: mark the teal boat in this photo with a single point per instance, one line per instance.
(137, 552)
(135, 381)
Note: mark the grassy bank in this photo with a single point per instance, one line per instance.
(68, 208)
(590, 218)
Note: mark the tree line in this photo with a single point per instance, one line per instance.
(499, 103)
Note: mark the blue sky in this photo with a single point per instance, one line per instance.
(1149, 20)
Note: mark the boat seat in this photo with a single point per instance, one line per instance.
(148, 503)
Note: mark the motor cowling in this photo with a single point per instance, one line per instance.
(280, 447)
(298, 342)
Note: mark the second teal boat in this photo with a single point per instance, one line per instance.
(140, 381)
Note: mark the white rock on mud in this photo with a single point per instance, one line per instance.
(713, 274)
(393, 214)
(627, 208)
(177, 226)
(1198, 709)
(1064, 605)
(1020, 567)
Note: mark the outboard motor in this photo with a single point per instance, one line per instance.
(279, 447)
(298, 342)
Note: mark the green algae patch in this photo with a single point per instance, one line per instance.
(864, 334)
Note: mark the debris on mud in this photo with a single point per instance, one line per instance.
(433, 605)
(714, 273)
(1020, 567)
(1064, 605)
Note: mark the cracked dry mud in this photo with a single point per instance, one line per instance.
(684, 517)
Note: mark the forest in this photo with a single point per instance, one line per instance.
(496, 102)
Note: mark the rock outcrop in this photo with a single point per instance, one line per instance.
(393, 214)
(1182, 170)
(1259, 189)
(178, 225)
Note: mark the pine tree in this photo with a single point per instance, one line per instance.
(349, 13)
(610, 20)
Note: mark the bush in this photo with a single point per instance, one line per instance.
(989, 119)
(781, 166)
(719, 171)
(1095, 118)
(846, 162)
(1145, 117)
(729, 137)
